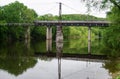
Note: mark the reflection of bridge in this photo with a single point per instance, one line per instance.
(76, 56)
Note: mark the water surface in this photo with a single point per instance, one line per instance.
(52, 68)
(18, 60)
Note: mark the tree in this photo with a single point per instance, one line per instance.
(17, 13)
(102, 3)
(112, 34)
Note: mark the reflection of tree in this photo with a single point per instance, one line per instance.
(16, 65)
(114, 67)
(80, 46)
(45, 58)
(39, 46)
(76, 46)
(15, 49)
(15, 58)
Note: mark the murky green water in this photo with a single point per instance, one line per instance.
(18, 60)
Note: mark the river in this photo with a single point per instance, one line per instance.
(49, 60)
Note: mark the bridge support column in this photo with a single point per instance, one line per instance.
(49, 45)
(27, 37)
(27, 32)
(59, 34)
(49, 33)
(49, 39)
(27, 45)
(89, 40)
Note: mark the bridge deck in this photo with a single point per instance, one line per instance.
(63, 23)
(72, 23)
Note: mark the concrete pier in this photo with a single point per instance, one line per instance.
(49, 33)
(49, 39)
(49, 45)
(59, 34)
(27, 32)
(27, 37)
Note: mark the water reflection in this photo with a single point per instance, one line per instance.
(59, 67)
(16, 66)
(81, 69)
(113, 66)
(16, 60)
(49, 45)
(59, 48)
(27, 44)
(87, 71)
(15, 57)
(16, 49)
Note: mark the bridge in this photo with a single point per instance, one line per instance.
(48, 24)
(73, 23)
(62, 23)
(59, 25)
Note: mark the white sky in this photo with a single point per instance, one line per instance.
(51, 6)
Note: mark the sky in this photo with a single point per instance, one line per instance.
(43, 7)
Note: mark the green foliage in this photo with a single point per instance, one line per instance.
(38, 33)
(18, 12)
(113, 66)
(76, 46)
(112, 34)
(66, 31)
(15, 13)
(20, 65)
(17, 53)
(80, 17)
(39, 46)
(3, 31)
(47, 17)
(102, 4)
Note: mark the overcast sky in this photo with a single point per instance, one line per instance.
(51, 6)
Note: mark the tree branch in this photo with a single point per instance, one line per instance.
(115, 3)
